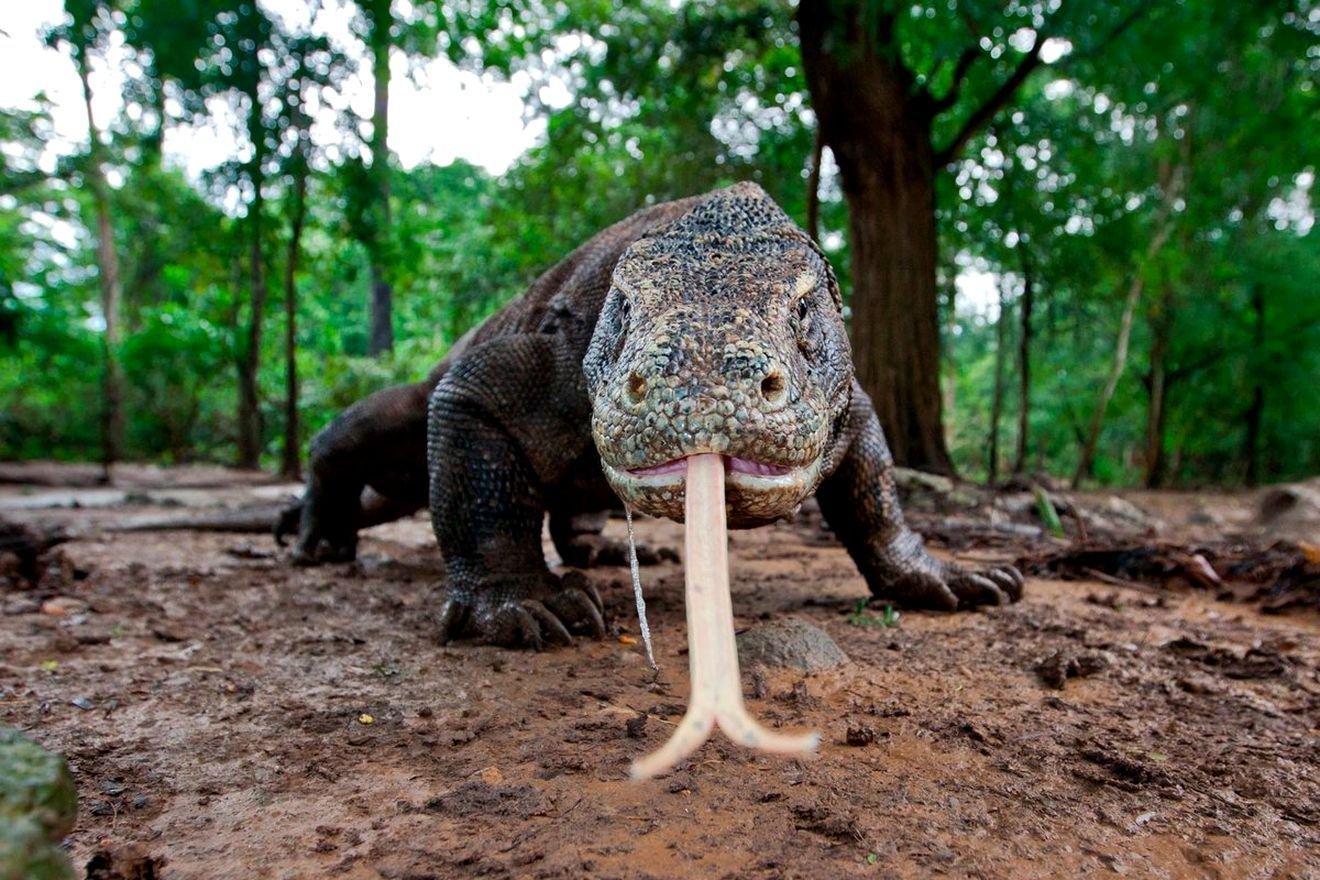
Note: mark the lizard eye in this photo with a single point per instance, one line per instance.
(622, 313)
(806, 331)
(803, 308)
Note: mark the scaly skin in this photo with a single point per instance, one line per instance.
(710, 324)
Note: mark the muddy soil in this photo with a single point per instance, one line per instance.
(228, 716)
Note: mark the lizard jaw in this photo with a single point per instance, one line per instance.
(757, 492)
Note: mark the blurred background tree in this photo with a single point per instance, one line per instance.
(1075, 239)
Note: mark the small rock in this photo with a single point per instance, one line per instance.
(1120, 508)
(636, 726)
(791, 642)
(1284, 499)
(861, 735)
(1056, 669)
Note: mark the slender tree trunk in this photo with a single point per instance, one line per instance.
(107, 268)
(291, 463)
(1157, 386)
(1256, 411)
(1087, 458)
(997, 400)
(382, 289)
(1024, 367)
(880, 139)
(249, 395)
(1171, 180)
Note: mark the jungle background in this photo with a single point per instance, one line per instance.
(1076, 238)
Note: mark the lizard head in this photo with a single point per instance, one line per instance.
(722, 333)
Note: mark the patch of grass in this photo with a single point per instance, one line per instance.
(859, 616)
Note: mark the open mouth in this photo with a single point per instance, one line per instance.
(757, 492)
(732, 464)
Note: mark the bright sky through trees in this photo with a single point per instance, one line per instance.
(440, 112)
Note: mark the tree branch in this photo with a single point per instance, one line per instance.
(949, 98)
(982, 115)
(1140, 9)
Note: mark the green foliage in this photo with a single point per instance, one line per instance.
(654, 100)
(859, 616)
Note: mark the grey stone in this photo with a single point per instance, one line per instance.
(791, 642)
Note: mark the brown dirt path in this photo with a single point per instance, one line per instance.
(232, 717)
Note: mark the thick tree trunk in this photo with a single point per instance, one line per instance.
(382, 289)
(997, 400)
(249, 396)
(880, 139)
(107, 268)
(1024, 367)
(291, 460)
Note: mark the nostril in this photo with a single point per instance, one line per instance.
(773, 388)
(636, 388)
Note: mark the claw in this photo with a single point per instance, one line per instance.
(529, 633)
(449, 620)
(577, 604)
(550, 625)
(1009, 579)
(988, 592)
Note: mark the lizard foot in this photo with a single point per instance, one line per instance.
(287, 522)
(503, 611)
(314, 548)
(952, 587)
(606, 551)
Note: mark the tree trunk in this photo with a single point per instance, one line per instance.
(291, 461)
(1171, 184)
(249, 396)
(997, 400)
(1157, 386)
(880, 139)
(1255, 412)
(382, 289)
(1087, 458)
(107, 269)
(1024, 367)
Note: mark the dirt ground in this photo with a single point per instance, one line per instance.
(229, 716)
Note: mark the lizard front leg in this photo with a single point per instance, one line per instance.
(499, 431)
(860, 502)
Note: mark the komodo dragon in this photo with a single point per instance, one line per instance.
(709, 324)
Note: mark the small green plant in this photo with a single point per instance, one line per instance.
(859, 616)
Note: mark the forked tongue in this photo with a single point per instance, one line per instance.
(716, 697)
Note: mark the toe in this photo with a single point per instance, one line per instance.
(922, 590)
(579, 609)
(1009, 579)
(978, 589)
(450, 620)
(550, 626)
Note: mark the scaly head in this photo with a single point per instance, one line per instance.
(722, 332)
